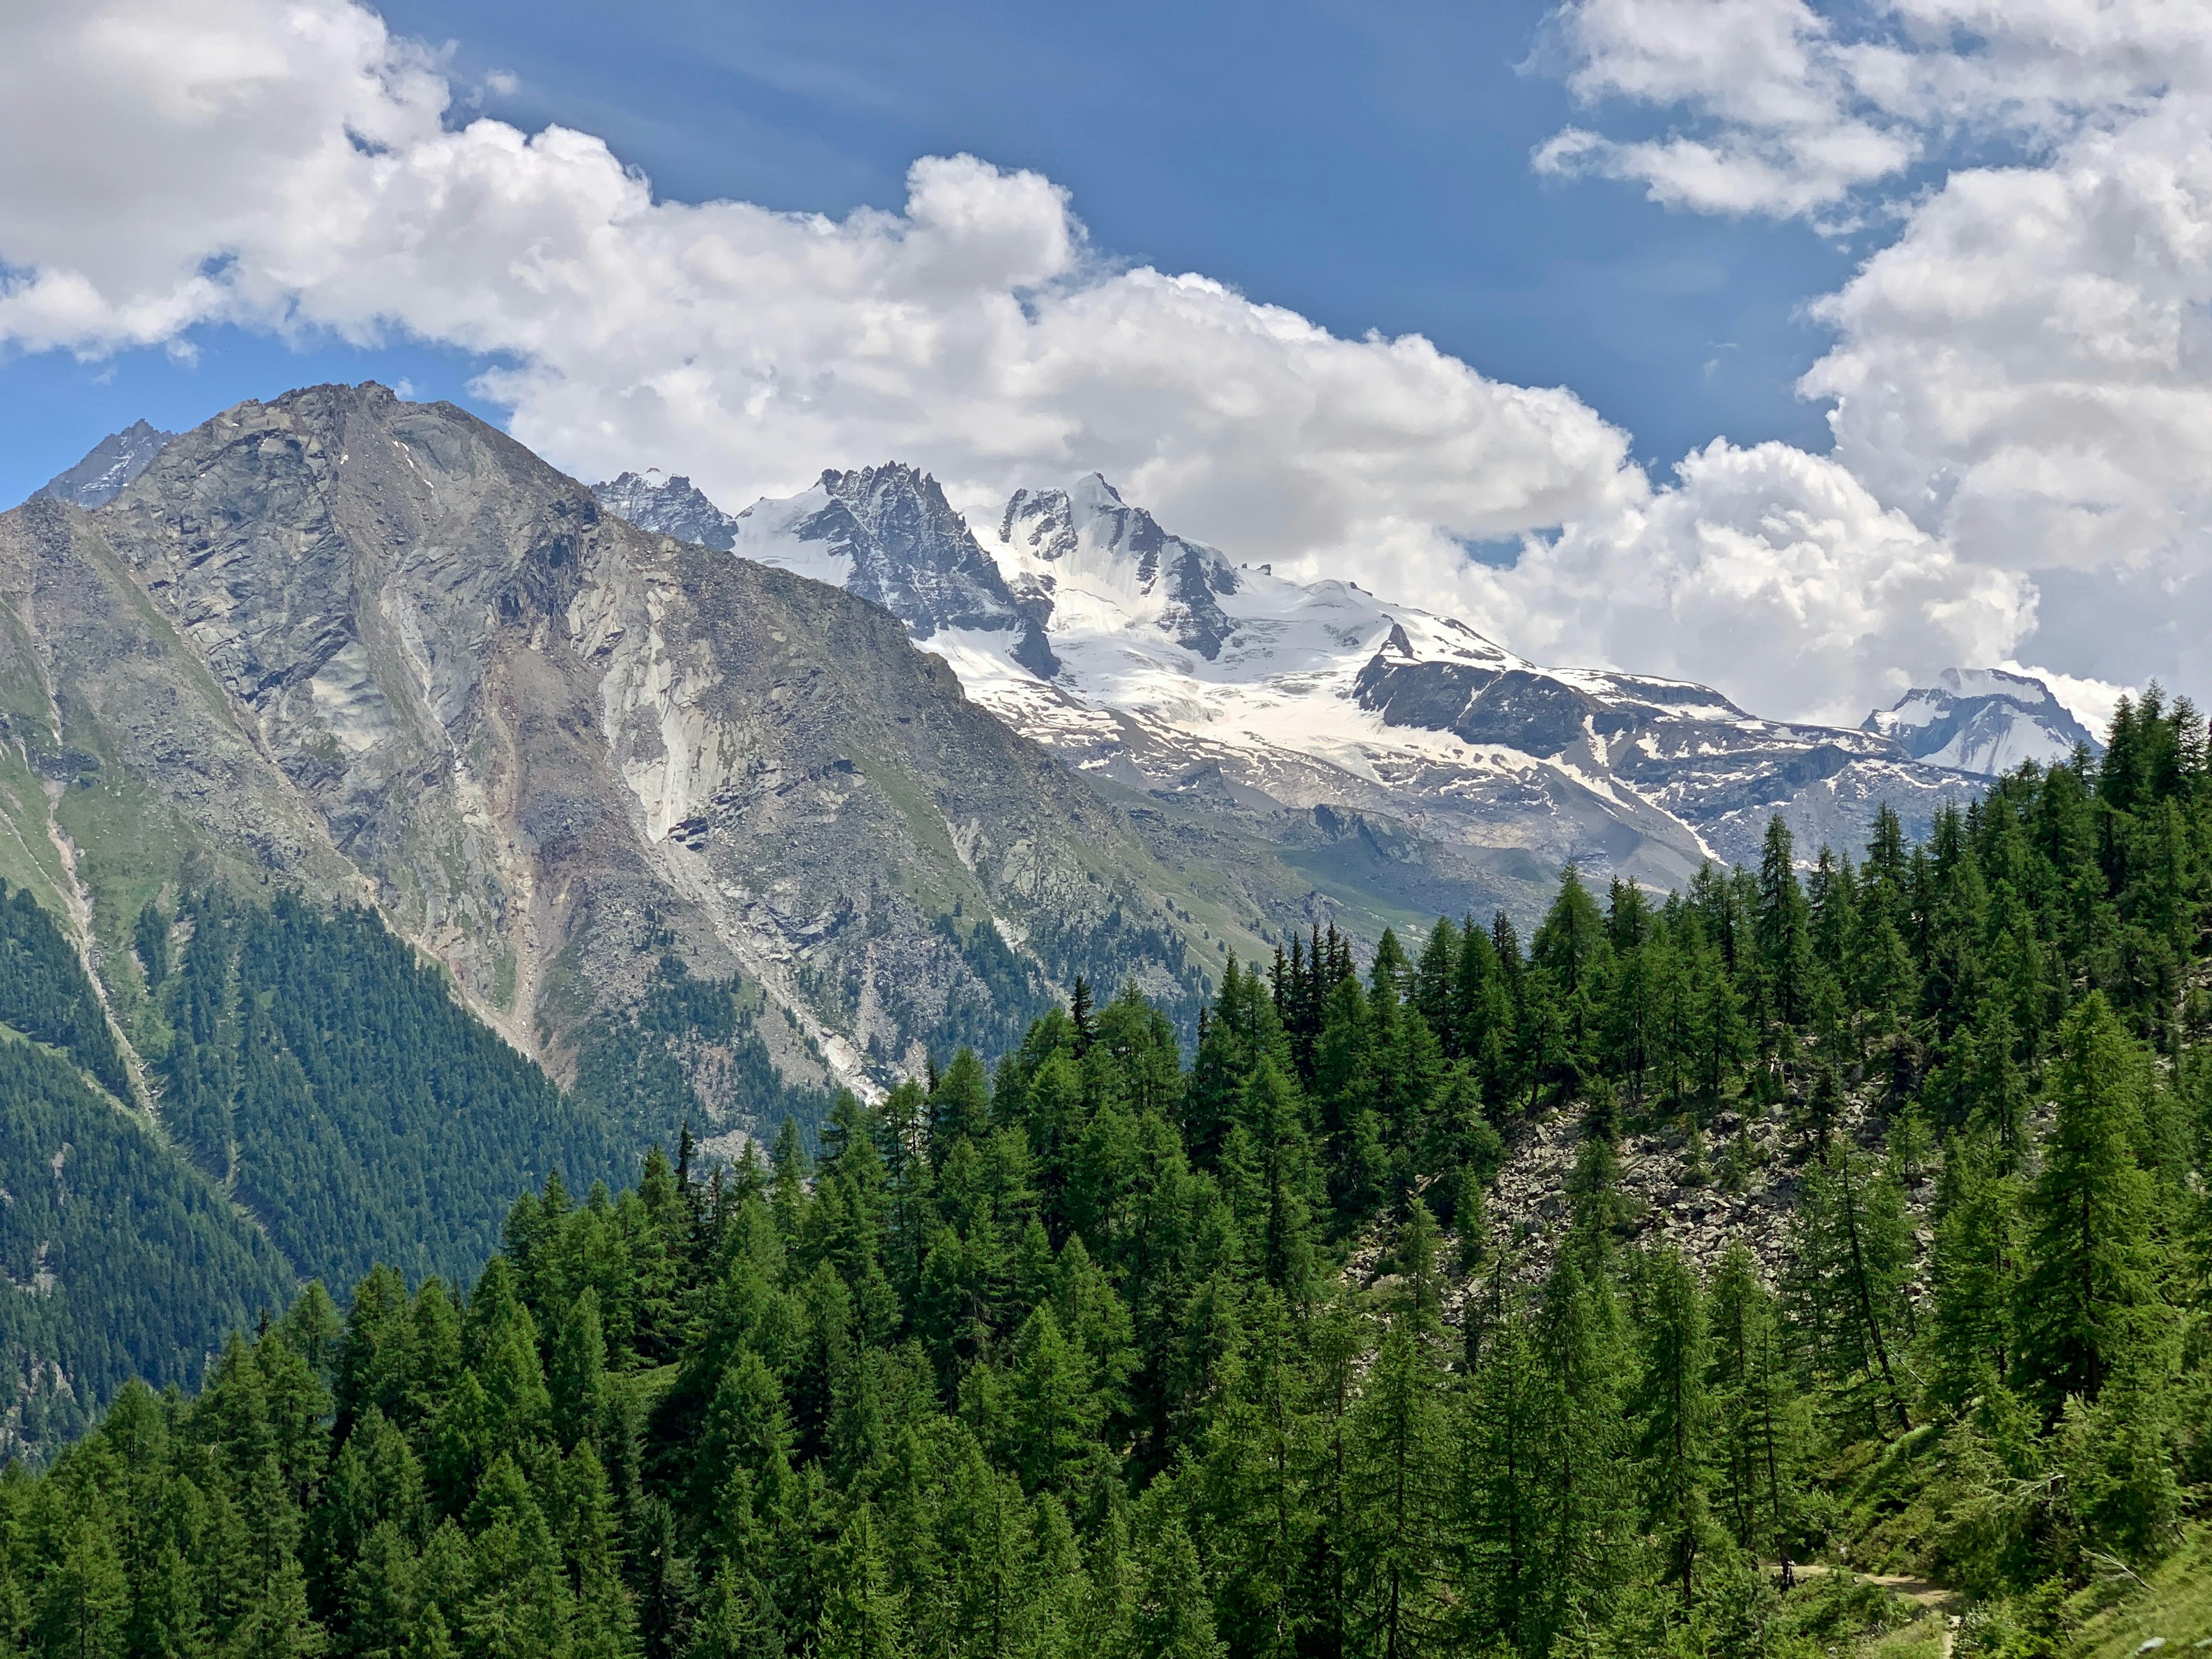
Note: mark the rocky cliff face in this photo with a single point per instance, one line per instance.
(367, 647)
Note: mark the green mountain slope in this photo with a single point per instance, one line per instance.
(349, 724)
(320, 1102)
(120, 1259)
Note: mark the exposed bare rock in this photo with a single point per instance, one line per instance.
(371, 648)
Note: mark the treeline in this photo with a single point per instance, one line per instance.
(1067, 1359)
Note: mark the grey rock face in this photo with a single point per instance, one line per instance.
(668, 506)
(377, 649)
(911, 553)
(114, 462)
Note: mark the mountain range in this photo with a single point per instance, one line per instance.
(1302, 716)
(555, 735)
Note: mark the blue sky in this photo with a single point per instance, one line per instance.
(1628, 230)
(1367, 166)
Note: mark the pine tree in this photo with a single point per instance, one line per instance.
(1674, 1417)
(1758, 1428)
(1584, 1363)
(1974, 1270)
(1399, 1493)
(606, 1625)
(1505, 1462)
(862, 1617)
(86, 1599)
(1055, 1412)
(379, 1595)
(1173, 1616)
(2091, 1277)
(1783, 927)
(578, 1382)
(519, 1606)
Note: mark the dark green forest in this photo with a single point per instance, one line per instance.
(120, 1262)
(1096, 1355)
(326, 1077)
(320, 1104)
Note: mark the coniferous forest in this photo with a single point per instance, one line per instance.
(1106, 1353)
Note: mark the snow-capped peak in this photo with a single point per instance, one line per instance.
(1082, 552)
(1985, 721)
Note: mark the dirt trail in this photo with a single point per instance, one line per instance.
(1935, 1598)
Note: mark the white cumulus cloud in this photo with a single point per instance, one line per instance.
(1779, 563)
(289, 164)
(2027, 369)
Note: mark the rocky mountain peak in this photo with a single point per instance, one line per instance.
(1984, 720)
(907, 550)
(668, 506)
(1088, 536)
(109, 465)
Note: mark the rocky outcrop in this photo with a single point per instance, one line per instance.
(114, 462)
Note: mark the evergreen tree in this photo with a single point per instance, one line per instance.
(1674, 1417)
(2091, 1280)
(861, 1614)
(1758, 1428)
(1398, 1487)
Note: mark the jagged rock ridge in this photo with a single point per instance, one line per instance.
(114, 462)
(1176, 584)
(668, 506)
(885, 533)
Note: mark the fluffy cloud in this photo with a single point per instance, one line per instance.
(285, 163)
(1779, 564)
(1780, 121)
(288, 164)
(2027, 369)
(1781, 109)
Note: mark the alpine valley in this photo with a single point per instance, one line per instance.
(390, 820)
